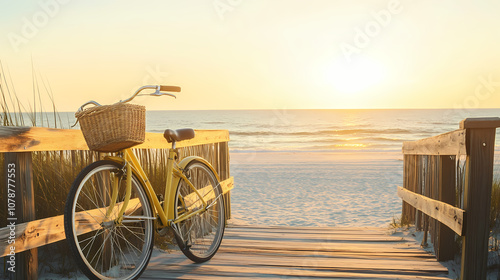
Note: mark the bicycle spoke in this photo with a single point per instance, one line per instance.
(135, 227)
(112, 251)
(212, 218)
(123, 254)
(214, 202)
(132, 233)
(99, 232)
(96, 206)
(100, 249)
(92, 216)
(128, 242)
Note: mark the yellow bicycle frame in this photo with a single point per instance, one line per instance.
(174, 175)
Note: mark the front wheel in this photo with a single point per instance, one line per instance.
(199, 236)
(104, 246)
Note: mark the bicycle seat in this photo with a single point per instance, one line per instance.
(178, 134)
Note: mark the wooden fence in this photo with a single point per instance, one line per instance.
(68, 150)
(447, 190)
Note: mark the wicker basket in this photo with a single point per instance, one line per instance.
(111, 128)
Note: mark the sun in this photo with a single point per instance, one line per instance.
(355, 76)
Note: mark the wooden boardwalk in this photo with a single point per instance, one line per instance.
(304, 253)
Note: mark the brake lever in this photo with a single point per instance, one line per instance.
(158, 93)
(163, 93)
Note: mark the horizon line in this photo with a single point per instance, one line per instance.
(296, 109)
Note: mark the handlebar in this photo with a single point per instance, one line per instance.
(159, 91)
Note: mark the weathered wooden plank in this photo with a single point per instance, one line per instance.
(444, 247)
(310, 228)
(477, 202)
(157, 141)
(207, 193)
(397, 266)
(191, 271)
(224, 173)
(333, 246)
(308, 231)
(480, 123)
(419, 187)
(227, 184)
(297, 275)
(321, 236)
(430, 184)
(29, 139)
(407, 215)
(434, 194)
(417, 254)
(450, 143)
(208, 271)
(449, 215)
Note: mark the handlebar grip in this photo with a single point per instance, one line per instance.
(170, 88)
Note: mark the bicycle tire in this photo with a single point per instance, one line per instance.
(122, 250)
(200, 235)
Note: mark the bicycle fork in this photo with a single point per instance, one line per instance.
(114, 195)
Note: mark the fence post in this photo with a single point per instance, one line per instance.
(23, 210)
(446, 193)
(408, 212)
(420, 177)
(480, 144)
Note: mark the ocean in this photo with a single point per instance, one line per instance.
(319, 130)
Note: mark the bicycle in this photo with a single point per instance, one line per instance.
(112, 211)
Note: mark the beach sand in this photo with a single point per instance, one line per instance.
(316, 189)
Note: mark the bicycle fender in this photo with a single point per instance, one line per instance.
(115, 159)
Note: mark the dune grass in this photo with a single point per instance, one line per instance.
(53, 172)
(495, 216)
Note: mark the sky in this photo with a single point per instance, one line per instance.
(240, 54)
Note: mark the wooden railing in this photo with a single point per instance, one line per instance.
(447, 190)
(18, 146)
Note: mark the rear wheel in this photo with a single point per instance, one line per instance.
(104, 248)
(201, 234)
